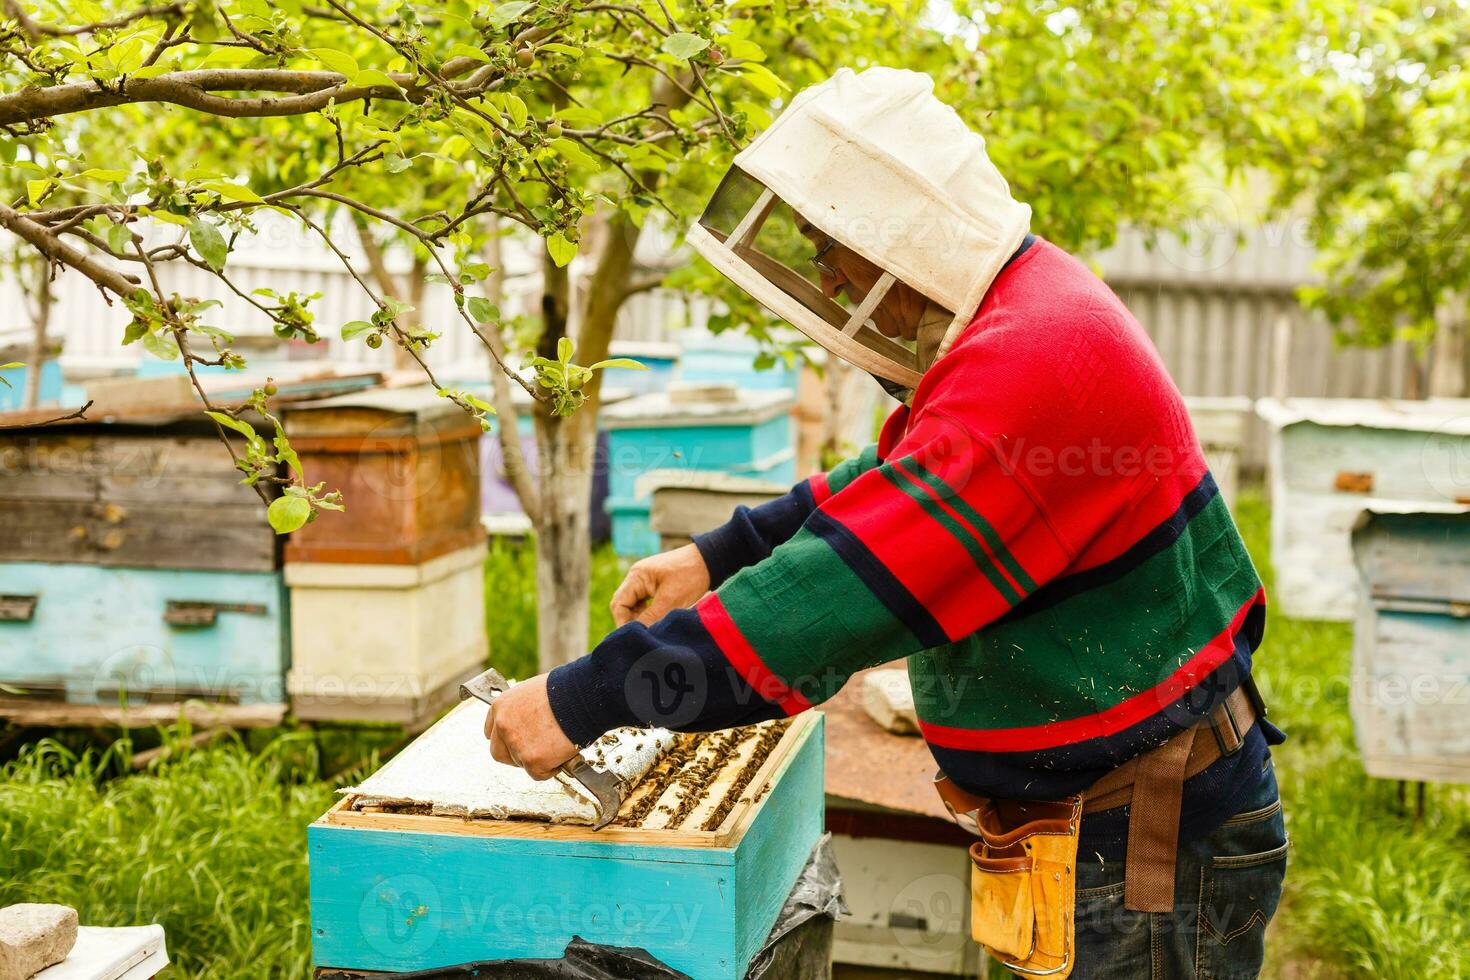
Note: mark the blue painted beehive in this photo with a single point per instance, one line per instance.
(95, 633)
(732, 359)
(402, 891)
(718, 428)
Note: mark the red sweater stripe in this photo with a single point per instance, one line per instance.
(747, 663)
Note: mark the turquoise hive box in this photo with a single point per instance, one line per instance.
(403, 891)
(714, 427)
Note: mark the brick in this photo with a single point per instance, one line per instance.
(33, 937)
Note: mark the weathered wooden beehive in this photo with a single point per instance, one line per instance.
(1332, 458)
(408, 462)
(387, 598)
(133, 561)
(1411, 647)
(689, 502)
(695, 869)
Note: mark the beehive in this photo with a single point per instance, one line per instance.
(1411, 648)
(407, 462)
(695, 869)
(745, 433)
(1331, 459)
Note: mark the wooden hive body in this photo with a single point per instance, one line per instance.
(385, 642)
(408, 464)
(402, 891)
(1411, 648)
(142, 496)
(745, 433)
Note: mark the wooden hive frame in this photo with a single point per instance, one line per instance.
(408, 891)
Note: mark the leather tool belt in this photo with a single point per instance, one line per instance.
(1023, 869)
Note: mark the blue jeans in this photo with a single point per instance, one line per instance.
(1227, 885)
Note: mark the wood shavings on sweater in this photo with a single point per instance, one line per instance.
(448, 771)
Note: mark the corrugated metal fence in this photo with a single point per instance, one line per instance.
(1222, 310)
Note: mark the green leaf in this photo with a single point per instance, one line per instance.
(516, 109)
(502, 15)
(160, 346)
(396, 164)
(621, 362)
(286, 514)
(286, 453)
(478, 402)
(573, 153)
(356, 328)
(372, 77)
(482, 309)
(338, 61)
(230, 422)
(684, 46)
(127, 55)
(579, 115)
(763, 80)
(36, 191)
(560, 250)
(109, 176)
(231, 192)
(564, 349)
(7, 367)
(208, 242)
(462, 50)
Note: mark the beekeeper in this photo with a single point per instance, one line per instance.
(1036, 532)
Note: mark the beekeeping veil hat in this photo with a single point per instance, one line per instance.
(874, 163)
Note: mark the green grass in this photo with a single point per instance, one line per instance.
(212, 843)
(213, 846)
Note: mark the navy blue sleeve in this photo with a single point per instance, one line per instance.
(752, 533)
(669, 675)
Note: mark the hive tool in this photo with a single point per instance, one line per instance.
(606, 790)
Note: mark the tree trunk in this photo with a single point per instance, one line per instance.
(40, 320)
(563, 527)
(1447, 370)
(563, 544)
(567, 446)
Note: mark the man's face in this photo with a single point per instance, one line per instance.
(845, 273)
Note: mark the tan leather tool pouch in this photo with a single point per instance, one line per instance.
(1023, 879)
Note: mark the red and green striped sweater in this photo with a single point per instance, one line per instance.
(1037, 533)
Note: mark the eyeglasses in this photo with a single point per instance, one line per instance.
(822, 267)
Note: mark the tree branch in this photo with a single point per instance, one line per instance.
(309, 91)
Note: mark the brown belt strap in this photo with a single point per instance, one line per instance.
(1153, 825)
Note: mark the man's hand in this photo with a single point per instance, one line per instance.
(524, 732)
(659, 583)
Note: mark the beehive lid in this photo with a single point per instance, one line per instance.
(682, 408)
(1450, 416)
(378, 411)
(1417, 552)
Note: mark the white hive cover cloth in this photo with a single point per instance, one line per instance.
(449, 770)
